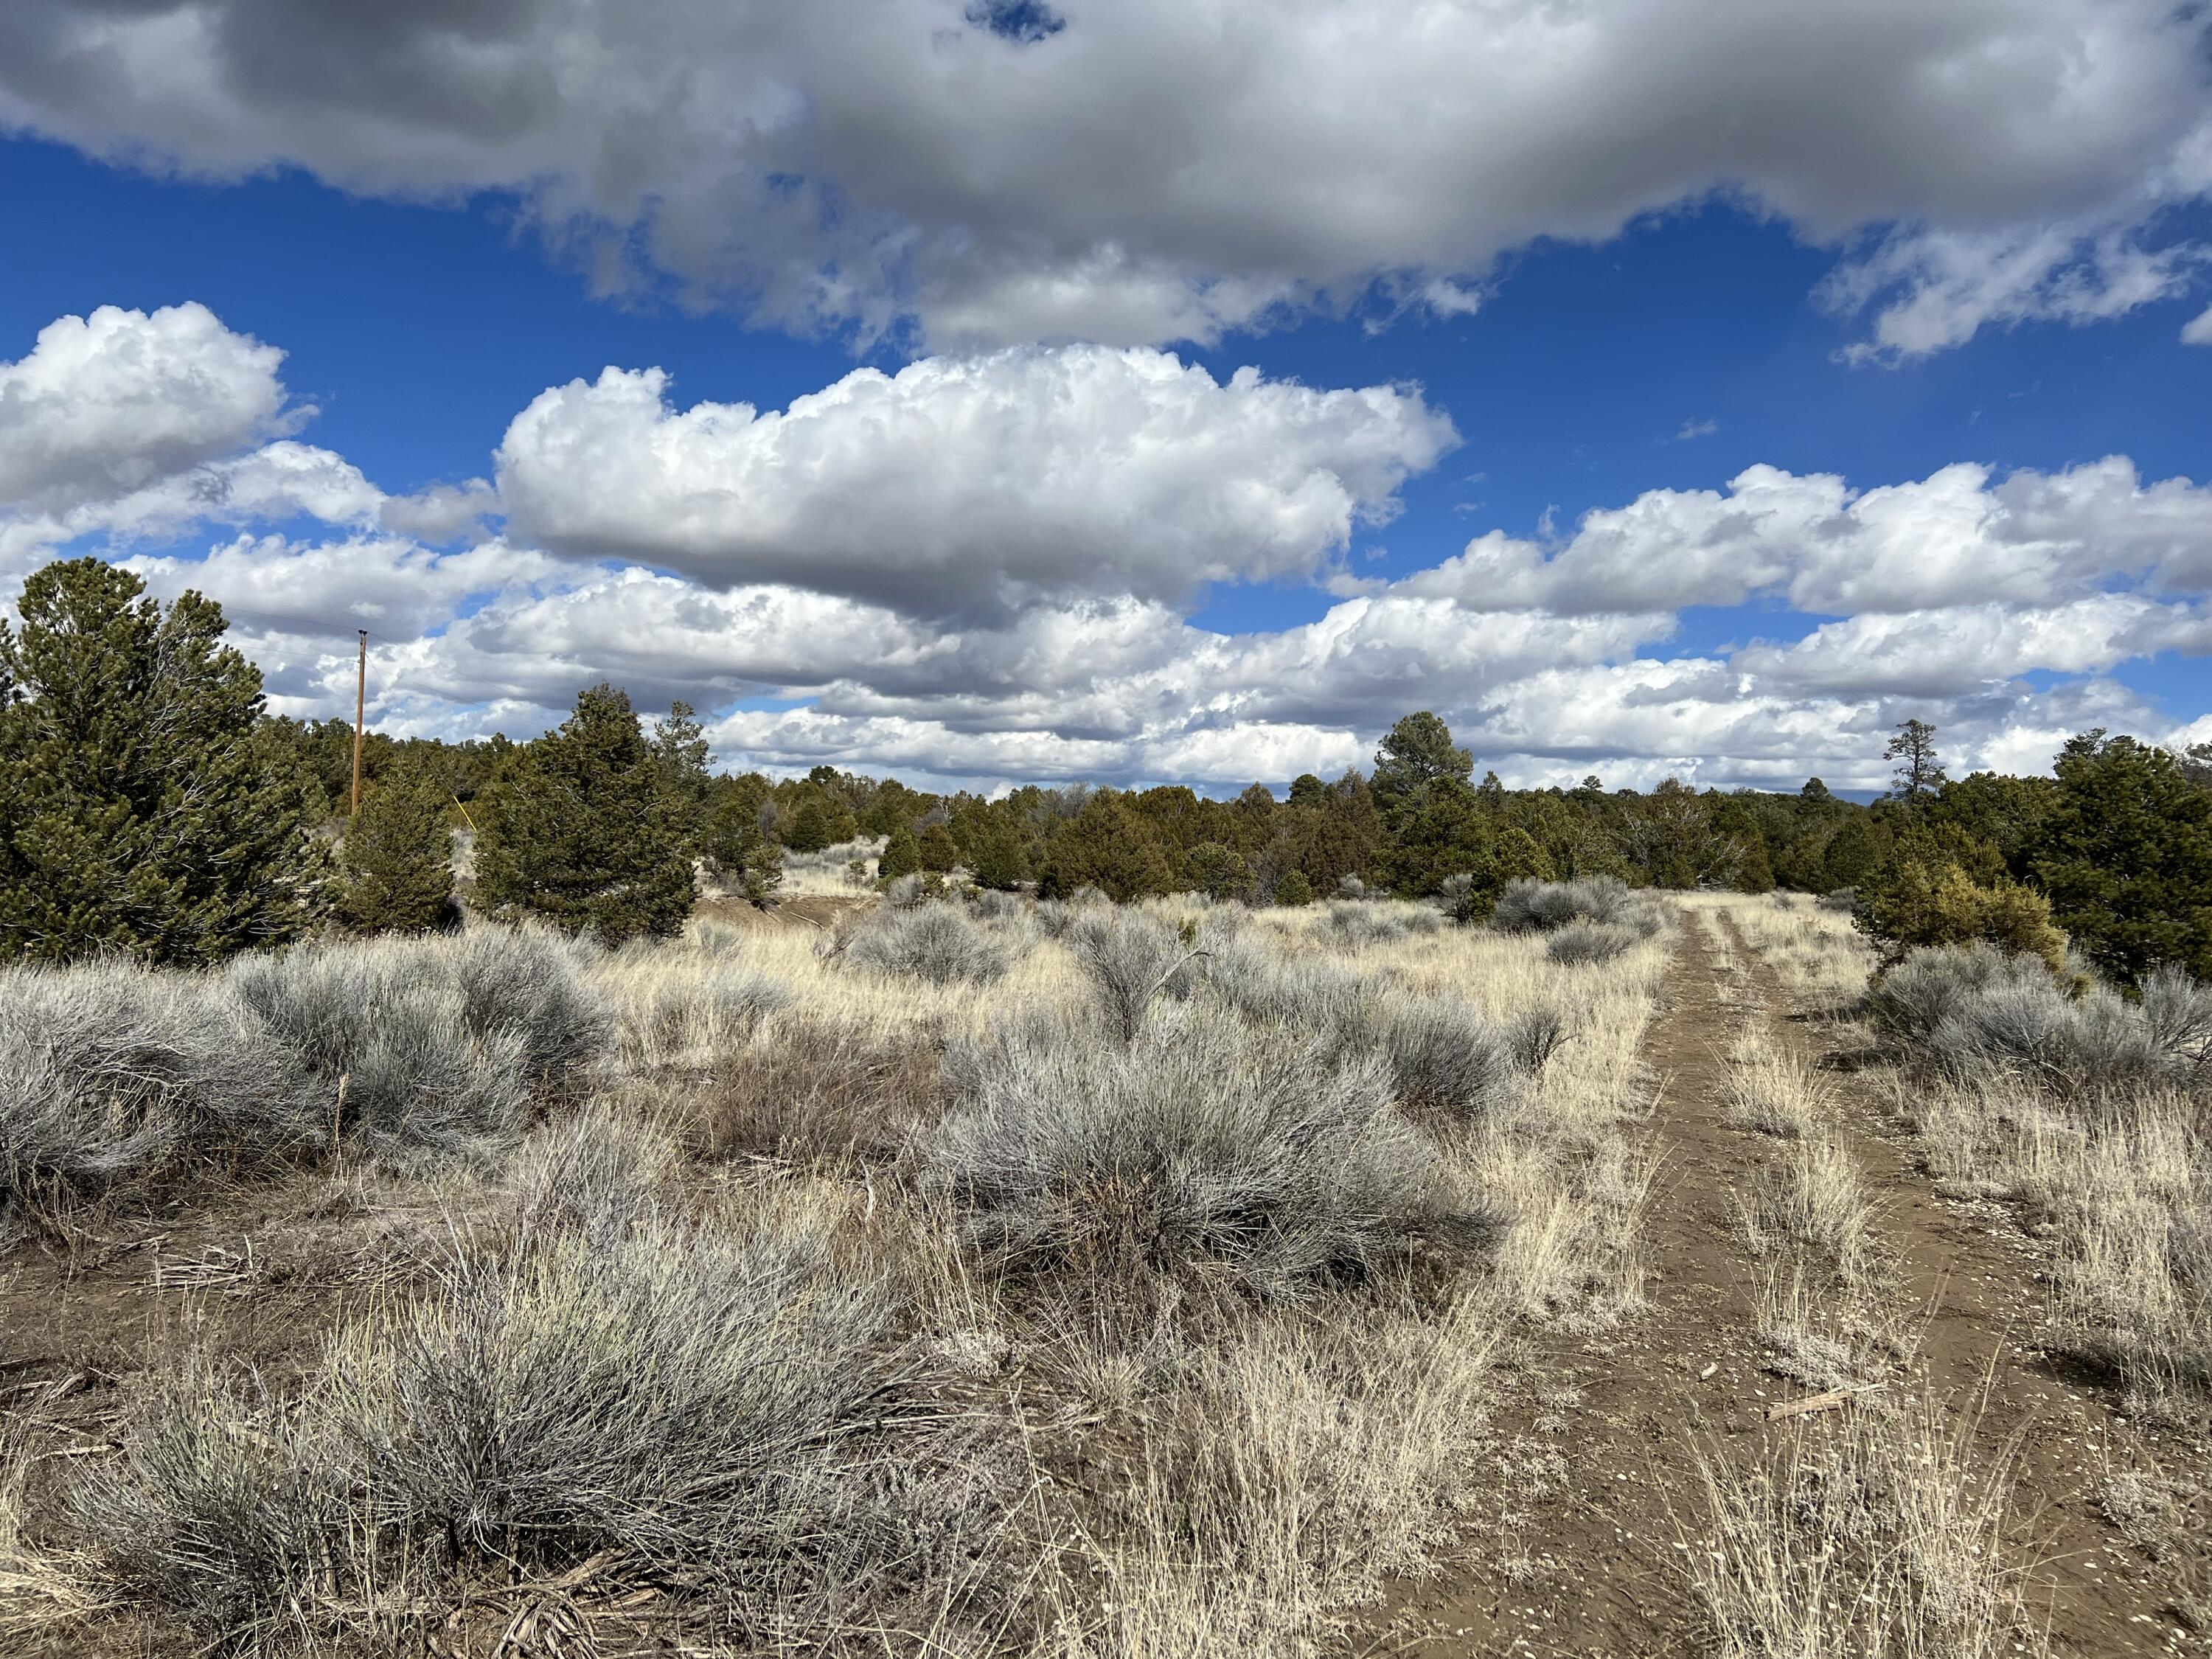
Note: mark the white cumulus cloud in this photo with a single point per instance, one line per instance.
(972, 484)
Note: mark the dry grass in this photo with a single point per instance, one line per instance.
(2124, 1187)
(1774, 1088)
(1882, 1534)
(573, 1353)
(1822, 960)
(1812, 1202)
(1293, 1467)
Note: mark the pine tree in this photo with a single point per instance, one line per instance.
(584, 834)
(138, 812)
(1294, 890)
(1416, 750)
(395, 870)
(1919, 772)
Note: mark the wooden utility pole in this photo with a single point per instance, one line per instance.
(360, 704)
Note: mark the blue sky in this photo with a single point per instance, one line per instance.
(1574, 339)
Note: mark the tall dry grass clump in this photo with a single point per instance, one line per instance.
(1883, 1533)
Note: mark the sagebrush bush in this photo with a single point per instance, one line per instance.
(992, 905)
(1203, 1144)
(1529, 906)
(1581, 942)
(1131, 956)
(934, 942)
(693, 1397)
(1442, 1057)
(112, 1072)
(1445, 1060)
(1352, 923)
(1975, 1007)
(438, 1040)
(1911, 997)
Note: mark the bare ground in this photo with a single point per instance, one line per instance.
(1594, 1562)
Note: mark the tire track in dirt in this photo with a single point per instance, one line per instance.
(1964, 1274)
(1594, 1568)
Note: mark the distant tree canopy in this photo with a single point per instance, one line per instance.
(141, 810)
(149, 804)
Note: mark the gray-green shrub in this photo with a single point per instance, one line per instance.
(1203, 1144)
(112, 1072)
(939, 943)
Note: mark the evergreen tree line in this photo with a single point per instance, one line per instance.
(149, 804)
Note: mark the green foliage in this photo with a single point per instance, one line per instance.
(1852, 853)
(901, 855)
(1441, 832)
(1670, 838)
(892, 806)
(2004, 813)
(1219, 871)
(1921, 898)
(1108, 845)
(998, 855)
(139, 811)
(584, 834)
(395, 868)
(680, 758)
(1416, 751)
(1448, 830)
(737, 851)
(820, 821)
(1294, 888)
(940, 852)
(2126, 856)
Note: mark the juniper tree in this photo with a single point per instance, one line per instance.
(2126, 856)
(584, 834)
(1002, 857)
(940, 852)
(1108, 845)
(395, 863)
(901, 855)
(738, 850)
(137, 810)
(1219, 871)
(680, 758)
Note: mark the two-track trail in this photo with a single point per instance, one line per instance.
(1590, 1559)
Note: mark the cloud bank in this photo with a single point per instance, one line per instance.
(984, 570)
(1145, 171)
